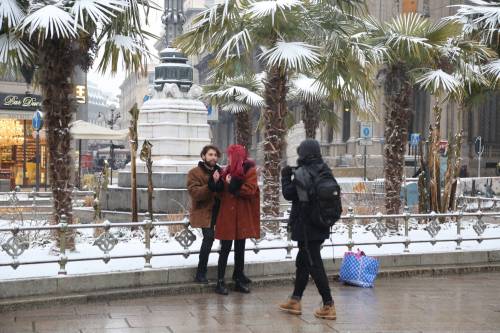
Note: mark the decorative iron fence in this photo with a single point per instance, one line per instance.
(16, 245)
(470, 203)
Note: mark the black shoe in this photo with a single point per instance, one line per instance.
(221, 288)
(241, 287)
(243, 278)
(201, 278)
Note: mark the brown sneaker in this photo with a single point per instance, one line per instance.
(326, 312)
(292, 306)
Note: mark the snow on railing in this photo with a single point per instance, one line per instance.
(380, 226)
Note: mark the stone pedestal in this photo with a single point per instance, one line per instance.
(176, 124)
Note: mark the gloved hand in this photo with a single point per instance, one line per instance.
(286, 172)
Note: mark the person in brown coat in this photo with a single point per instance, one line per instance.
(239, 215)
(203, 183)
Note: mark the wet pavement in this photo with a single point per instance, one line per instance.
(455, 303)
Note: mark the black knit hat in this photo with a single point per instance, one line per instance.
(309, 148)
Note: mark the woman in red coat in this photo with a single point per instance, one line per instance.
(239, 215)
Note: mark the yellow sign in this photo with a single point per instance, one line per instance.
(80, 93)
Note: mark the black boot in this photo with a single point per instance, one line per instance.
(242, 277)
(201, 278)
(241, 287)
(221, 288)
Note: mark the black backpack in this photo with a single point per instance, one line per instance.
(325, 194)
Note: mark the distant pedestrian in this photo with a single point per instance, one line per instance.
(307, 229)
(203, 183)
(239, 216)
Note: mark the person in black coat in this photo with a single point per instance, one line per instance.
(296, 187)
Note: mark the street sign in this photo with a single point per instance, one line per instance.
(366, 131)
(478, 146)
(479, 149)
(37, 121)
(366, 134)
(414, 139)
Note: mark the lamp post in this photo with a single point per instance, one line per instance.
(111, 122)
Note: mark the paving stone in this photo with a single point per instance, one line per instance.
(457, 303)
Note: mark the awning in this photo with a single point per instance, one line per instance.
(82, 130)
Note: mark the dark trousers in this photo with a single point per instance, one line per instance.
(205, 249)
(316, 270)
(239, 257)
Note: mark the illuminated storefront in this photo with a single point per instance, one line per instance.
(17, 140)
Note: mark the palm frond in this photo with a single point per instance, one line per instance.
(492, 70)
(236, 44)
(13, 49)
(11, 12)
(235, 107)
(99, 11)
(51, 21)
(308, 89)
(269, 8)
(480, 16)
(131, 51)
(438, 82)
(292, 55)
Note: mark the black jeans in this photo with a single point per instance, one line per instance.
(205, 249)
(316, 270)
(239, 257)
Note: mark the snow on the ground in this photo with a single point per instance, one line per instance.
(131, 243)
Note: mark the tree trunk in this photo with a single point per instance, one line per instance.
(310, 117)
(56, 63)
(244, 129)
(398, 93)
(274, 137)
(134, 145)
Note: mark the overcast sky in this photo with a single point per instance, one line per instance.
(111, 83)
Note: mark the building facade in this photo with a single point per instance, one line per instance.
(17, 138)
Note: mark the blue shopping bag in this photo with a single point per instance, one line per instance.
(357, 269)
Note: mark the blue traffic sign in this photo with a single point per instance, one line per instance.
(366, 130)
(37, 121)
(414, 139)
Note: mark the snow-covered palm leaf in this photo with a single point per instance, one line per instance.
(269, 8)
(13, 48)
(292, 55)
(51, 21)
(438, 82)
(308, 89)
(237, 93)
(481, 16)
(10, 11)
(471, 75)
(235, 107)
(129, 49)
(99, 11)
(492, 70)
(211, 28)
(238, 43)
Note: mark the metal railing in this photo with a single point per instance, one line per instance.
(470, 203)
(16, 245)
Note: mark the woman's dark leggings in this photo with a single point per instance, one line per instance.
(239, 257)
(316, 270)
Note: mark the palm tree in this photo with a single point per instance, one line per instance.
(280, 32)
(239, 96)
(275, 30)
(57, 36)
(406, 43)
